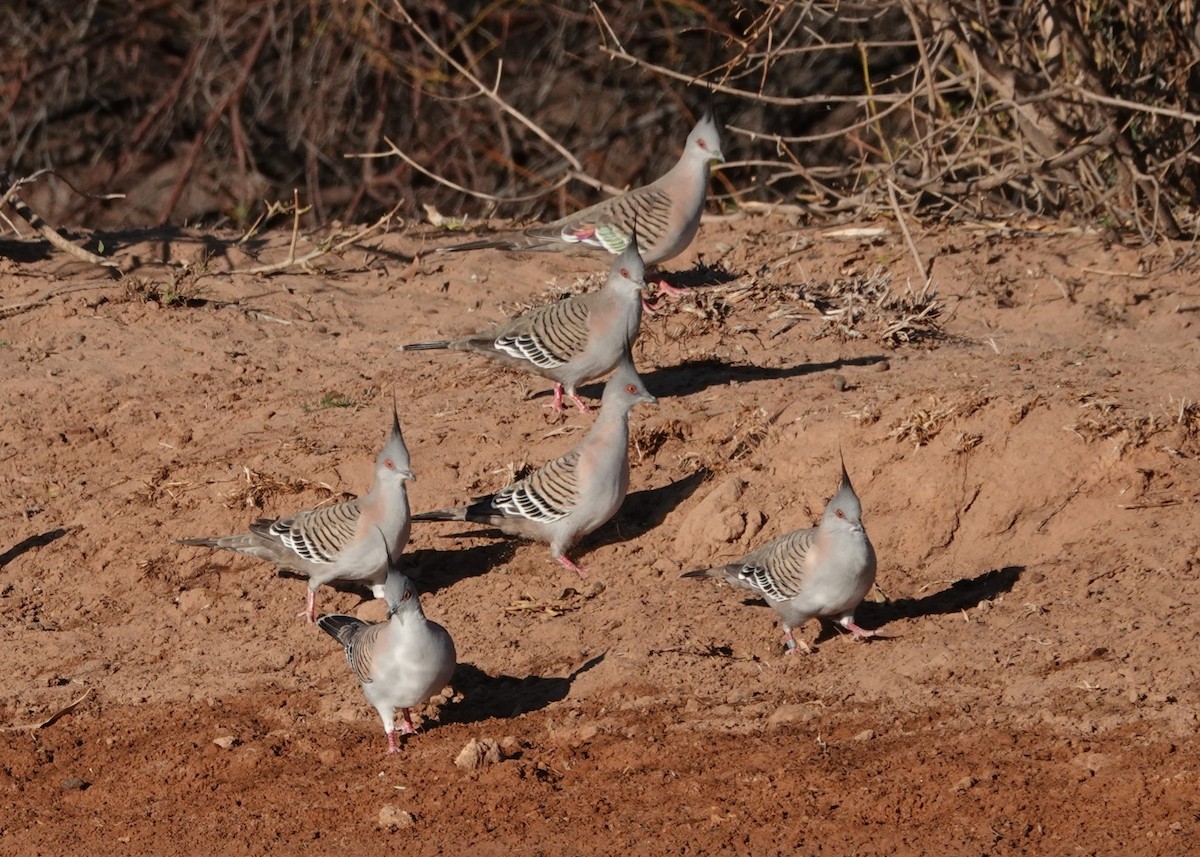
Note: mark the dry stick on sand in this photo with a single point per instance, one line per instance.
(318, 252)
(393, 149)
(926, 270)
(53, 718)
(45, 230)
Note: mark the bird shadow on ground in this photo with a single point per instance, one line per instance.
(505, 696)
(26, 252)
(437, 569)
(694, 277)
(25, 545)
(958, 596)
(694, 376)
(433, 570)
(642, 511)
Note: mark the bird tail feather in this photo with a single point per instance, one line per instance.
(504, 243)
(456, 514)
(233, 543)
(704, 572)
(341, 628)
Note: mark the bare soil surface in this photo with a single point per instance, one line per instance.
(1029, 478)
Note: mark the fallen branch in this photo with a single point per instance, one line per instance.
(393, 149)
(321, 250)
(53, 718)
(45, 230)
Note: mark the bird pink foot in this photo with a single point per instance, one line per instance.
(406, 728)
(791, 645)
(575, 568)
(557, 404)
(310, 610)
(580, 403)
(855, 631)
(406, 724)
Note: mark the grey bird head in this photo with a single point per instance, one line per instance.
(398, 591)
(626, 387)
(705, 141)
(393, 458)
(628, 269)
(401, 595)
(844, 511)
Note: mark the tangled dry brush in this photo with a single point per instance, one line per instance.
(1083, 109)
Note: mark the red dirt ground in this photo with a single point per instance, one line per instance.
(1029, 479)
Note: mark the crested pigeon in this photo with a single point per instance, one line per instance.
(571, 341)
(338, 542)
(400, 662)
(667, 210)
(823, 571)
(576, 493)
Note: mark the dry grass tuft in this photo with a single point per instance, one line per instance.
(749, 431)
(261, 487)
(965, 441)
(922, 425)
(180, 288)
(648, 440)
(868, 414)
(569, 601)
(867, 307)
(159, 485)
(1106, 418)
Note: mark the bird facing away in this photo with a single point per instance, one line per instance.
(576, 493)
(400, 662)
(823, 571)
(339, 542)
(666, 211)
(571, 341)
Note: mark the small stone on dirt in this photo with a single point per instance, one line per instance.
(964, 784)
(840, 383)
(713, 520)
(225, 742)
(394, 818)
(478, 753)
(74, 783)
(790, 714)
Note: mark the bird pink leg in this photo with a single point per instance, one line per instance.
(580, 403)
(792, 645)
(392, 748)
(857, 632)
(310, 610)
(557, 404)
(407, 728)
(789, 642)
(567, 562)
